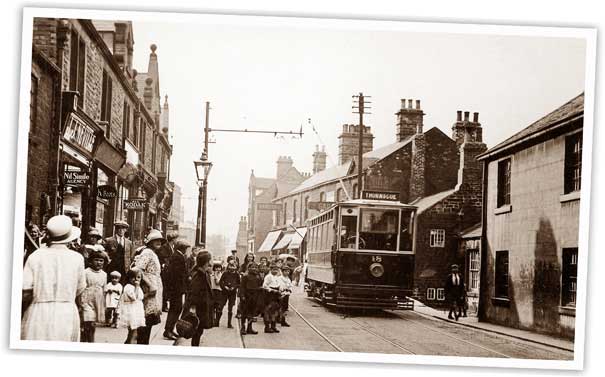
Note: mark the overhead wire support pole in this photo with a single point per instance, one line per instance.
(361, 107)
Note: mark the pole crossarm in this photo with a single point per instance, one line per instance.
(299, 133)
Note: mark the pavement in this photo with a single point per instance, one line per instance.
(473, 322)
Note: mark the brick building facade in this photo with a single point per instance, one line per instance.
(106, 135)
(428, 169)
(531, 224)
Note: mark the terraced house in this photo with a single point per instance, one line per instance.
(101, 130)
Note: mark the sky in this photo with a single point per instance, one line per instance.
(278, 77)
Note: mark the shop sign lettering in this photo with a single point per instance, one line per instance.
(106, 192)
(78, 133)
(138, 204)
(76, 178)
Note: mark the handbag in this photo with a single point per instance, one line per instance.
(186, 326)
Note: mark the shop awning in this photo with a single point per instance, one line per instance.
(284, 242)
(297, 238)
(269, 241)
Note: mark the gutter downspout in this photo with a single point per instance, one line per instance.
(483, 295)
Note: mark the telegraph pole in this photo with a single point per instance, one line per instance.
(361, 107)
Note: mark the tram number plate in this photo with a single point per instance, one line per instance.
(376, 258)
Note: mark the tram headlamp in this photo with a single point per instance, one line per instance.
(377, 270)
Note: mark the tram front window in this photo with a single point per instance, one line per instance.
(378, 229)
(348, 232)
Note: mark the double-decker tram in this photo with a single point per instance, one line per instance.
(361, 255)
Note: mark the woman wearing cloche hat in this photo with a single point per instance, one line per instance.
(147, 261)
(53, 277)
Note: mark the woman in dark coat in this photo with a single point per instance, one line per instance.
(199, 296)
(249, 291)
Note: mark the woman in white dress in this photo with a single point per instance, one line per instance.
(53, 278)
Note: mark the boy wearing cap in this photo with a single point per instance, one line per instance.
(230, 282)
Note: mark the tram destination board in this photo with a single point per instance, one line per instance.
(380, 195)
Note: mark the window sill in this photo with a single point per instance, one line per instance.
(501, 301)
(569, 311)
(572, 196)
(503, 209)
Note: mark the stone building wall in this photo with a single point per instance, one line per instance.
(539, 225)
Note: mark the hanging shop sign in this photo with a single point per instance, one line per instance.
(76, 178)
(78, 133)
(380, 195)
(268, 207)
(136, 204)
(320, 206)
(106, 192)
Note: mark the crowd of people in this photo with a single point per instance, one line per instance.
(72, 286)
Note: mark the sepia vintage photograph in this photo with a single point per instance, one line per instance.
(303, 188)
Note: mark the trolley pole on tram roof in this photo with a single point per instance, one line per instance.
(361, 107)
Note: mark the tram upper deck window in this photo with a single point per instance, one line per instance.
(378, 229)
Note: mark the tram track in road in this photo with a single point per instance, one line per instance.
(361, 326)
(451, 336)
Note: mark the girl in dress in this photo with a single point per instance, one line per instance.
(249, 292)
(93, 298)
(132, 311)
(113, 291)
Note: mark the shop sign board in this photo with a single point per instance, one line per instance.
(76, 178)
(320, 206)
(136, 204)
(106, 192)
(268, 207)
(380, 195)
(78, 133)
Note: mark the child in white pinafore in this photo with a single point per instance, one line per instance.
(113, 291)
(93, 298)
(131, 309)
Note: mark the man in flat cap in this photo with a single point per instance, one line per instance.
(454, 291)
(121, 250)
(164, 254)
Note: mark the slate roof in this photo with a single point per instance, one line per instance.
(571, 109)
(427, 202)
(324, 176)
(472, 232)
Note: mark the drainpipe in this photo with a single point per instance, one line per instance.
(483, 295)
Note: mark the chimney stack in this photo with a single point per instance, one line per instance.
(465, 130)
(348, 142)
(319, 159)
(284, 163)
(409, 120)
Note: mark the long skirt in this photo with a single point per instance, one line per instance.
(51, 321)
(272, 307)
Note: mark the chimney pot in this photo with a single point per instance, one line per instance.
(466, 113)
(403, 103)
(417, 104)
(459, 116)
(316, 148)
(476, 117)
(410, 103)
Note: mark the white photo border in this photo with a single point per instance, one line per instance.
(589, 35)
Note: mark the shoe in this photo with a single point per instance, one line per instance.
(274, 328)
(170, 335)
(250, 330)
(268, 329)
(284, 323)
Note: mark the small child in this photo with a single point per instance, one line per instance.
(218, 301)
(113, 291)
(272, 286)
(93, 298)
(131, 309)
(286, 290)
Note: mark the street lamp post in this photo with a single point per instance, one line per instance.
(202, 170)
